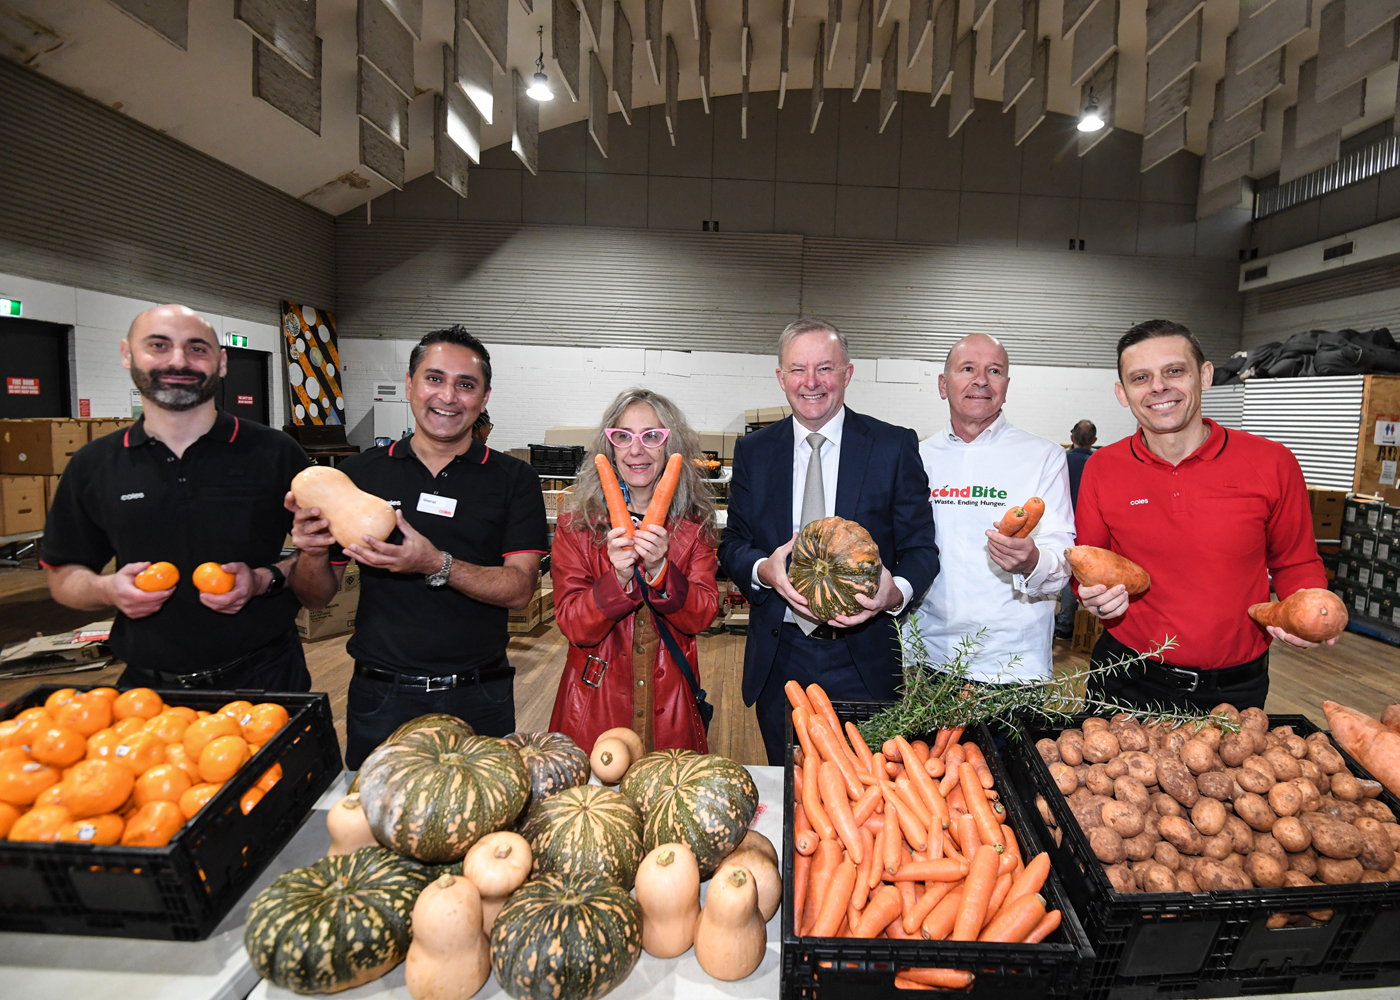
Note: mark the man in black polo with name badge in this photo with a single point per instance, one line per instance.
(430, 630)
(187, 484)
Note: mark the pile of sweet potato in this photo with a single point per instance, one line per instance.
(1180, 810)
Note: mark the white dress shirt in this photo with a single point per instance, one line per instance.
(831, 466)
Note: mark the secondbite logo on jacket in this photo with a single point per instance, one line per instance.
(967, 496)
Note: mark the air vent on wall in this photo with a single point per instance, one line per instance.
(1340, 250)
(1255, 273)
(387, 389)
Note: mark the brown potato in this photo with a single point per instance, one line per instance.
(1339, 871)
(1122, 818)
(1261, 764)
(1266, 843)
(1208, 816)
(1130, 790)
(1260, 739)
(1312, 798)
(1218, 847)
(1186, 882)
(1132, 736)
(1107, 845)
(1264, 871)
(1325, 756)
(1197, 756)
(1174, 741)
(1369, 876)
(1240, 832)
(1347, 812)
(1231, 713)
(1216, 785)
(1141, 766)
(1046, 814)
(1166, 855)
(1121, 878)
(1071, 747)
(1140, 848)
(1376, 853)
(1285, 799)
(1049, 751)
(1254, 718)
(1364, 823)
(1392, 831)
(1296, 880)
(1337, 840)
(1271, 740)
(1094, 725)
(1079, 796)
(1214, 876)
(1285, 765)
(1165, 805)
(1304, 861)
(1100, 747)
(1089, 815)
(1370, 789)
(1081, 771)
(1116, 768)
(1316, 775)
(1291, 834)
(1157, 878)
(1282, 731)
(1253, 780)
(1097, 780)
(1255, 811)
(1377, 810)
(1296, 746)
(1345, 787)
(1181, 834)
(1177, 781)
(1150, 819)
(1065, 778)
(1210, 736)
(1235, 747)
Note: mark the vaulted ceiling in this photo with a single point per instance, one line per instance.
(201, 92)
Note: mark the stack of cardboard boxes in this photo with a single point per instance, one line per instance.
(33, 455)
(1368, 564)
(539, 611)
(1087, 629)
(754, 419)
(337, 617)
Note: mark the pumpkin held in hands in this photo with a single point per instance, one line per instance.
(833, 560)
(1094, 567)
(1312, 613)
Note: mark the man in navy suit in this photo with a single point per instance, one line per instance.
(866, 471)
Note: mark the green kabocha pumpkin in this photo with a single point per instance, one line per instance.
(434, 792)
(566, 937)
(422, 722)
(337, 924)
(833, 560)
(701, 800)
(554, 761)
(589, 830)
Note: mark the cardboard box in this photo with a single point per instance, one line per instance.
(1087, 629)
(1327, 507)
(101, 428)
(527, 618)
(39, 447)
(21, 504)
(50, 488)
(337, 617)
(570, 435)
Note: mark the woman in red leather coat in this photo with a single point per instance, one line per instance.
(612, 595)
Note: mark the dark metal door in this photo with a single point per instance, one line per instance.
(33, 369)
(243, 391)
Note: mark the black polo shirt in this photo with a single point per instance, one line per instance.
(401, 623)
(127, 495)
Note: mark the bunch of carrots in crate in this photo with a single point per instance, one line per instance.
(907, 842)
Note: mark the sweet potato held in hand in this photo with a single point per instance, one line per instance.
(1313, 614)
(1094, 566)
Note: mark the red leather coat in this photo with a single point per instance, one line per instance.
(596, 616)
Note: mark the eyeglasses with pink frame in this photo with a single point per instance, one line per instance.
(653, 438)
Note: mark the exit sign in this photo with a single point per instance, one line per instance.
(237, 340)
(11, 307)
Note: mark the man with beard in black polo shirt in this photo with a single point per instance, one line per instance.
(187, 484)
(430, 630)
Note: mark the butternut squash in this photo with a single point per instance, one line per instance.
(348, 827)
(1312, 613)
(668, 891)
(765, 876)
(352, 512)
(755, 841)
(633, 741)
(450, 957)
(610, 760)
(731, 939)
(497, 864)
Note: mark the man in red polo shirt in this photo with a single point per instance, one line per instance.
(1211, 514)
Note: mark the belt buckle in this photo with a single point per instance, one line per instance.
(440, 683)
(1194, 675)
(593, 670)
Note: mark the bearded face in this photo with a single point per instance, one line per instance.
(175, 388)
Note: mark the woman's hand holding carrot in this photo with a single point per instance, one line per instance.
(622, 555)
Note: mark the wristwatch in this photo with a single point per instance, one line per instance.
(278, 584)
(439, 579)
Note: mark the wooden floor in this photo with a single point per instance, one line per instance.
(1358, 671)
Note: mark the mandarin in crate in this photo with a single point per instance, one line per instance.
(198, 797)
(129, 726)
(183, 711)
(153, 825)
(87, 714)
(169, 727)
(157, 576)
(37, 712)
(8, 754)
(58, 746)
(60, 697)
(139, 752)
(175, 754)
(250, 799)
(269, 778)
(51, 796)
(138, 701)
(211, 727)
(239, 711)
(110, 693)
(265, 721)
(40, 825)
(211, 578)
(92, 787)
(103, 743)
(164, 782)
(103, 830)
(7, 729)
(221, 758)
(8, 815)
(21, 782)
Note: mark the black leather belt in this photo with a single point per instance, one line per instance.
(212, 678)
(1190, 679)
(820, 632)
(424, 682)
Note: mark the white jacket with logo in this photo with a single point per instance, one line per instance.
(971, 486)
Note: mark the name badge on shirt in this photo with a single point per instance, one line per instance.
(431, 503)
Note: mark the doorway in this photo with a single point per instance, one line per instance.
(243, 391)
(34, 369)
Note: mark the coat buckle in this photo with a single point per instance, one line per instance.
(593, 670)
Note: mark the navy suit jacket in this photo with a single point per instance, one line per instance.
(881, 485)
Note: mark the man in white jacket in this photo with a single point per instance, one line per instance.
(979, 467)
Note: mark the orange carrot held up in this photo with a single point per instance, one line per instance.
(660, 504)
(1013, 521)
(612, 492)
(1035, 509)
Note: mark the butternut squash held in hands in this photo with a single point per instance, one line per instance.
(497, 864)
(668, 891)
(1313, 614)
(1094, 566)
(352, 512)
(348, 827)
(450, 957)
(730, 938)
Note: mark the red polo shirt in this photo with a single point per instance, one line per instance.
(1209, 531)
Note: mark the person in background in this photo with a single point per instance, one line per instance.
(431, 626)
(186, 484)
(1081, 437)
(979, 467)
(825, 460)
(1211, 514)
(631, 607)
(481, 430)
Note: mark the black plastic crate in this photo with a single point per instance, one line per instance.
(864, 969)
(1151, 945)
(557, 459)
(181, 891)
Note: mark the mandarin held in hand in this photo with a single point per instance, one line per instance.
(211, 578)
(157, 576)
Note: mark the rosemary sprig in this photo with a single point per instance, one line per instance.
(940, 696)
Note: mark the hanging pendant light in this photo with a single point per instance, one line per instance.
(1089, 120)
(539, 87)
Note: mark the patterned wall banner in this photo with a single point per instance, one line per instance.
(313, 365)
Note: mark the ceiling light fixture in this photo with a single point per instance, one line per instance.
(539, 87)
(1090, 120)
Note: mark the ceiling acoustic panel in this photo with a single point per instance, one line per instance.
(597, 103)
(1317, 119)
(1073, 15)
(1094, 41)
(1234, 132)
(964, 100)
(1217, 171)
(745, 49)
(882, 11)
(288, 27)
(818, 76)
(380, 155)
(706, 83)
(450, 162)
(783, 57)
(653, 38)
(564, 41)
(1168, 106)
(865, 46)
(170, 19)
(1339, 65)
(489, 20)
(945, 39)
(386, 43)
(981, 10)
(1102, 88)
(1245, 89)
(525, 124)
(1253, 8)
(920, 27)
(1365, 16)
(1008, 27)
(889, 78)
(1016, 76)
(592, 11)
(378, 102)
(1298, 158)
(833, 29)
(1176, 57)
(1261, 36)
(410, 14)
(673, 88)
(1164, 143)
(459, 120)
(695, 9)
(475, 72)
(1229, 195)
(1165, 16)
(1031, 106)
(278, 83)
(622, 61)
(744, 85)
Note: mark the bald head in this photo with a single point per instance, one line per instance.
(980, 345)
(172, 317)
(974, 382)
(174, 357)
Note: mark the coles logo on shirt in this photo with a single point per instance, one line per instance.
(968, 496)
